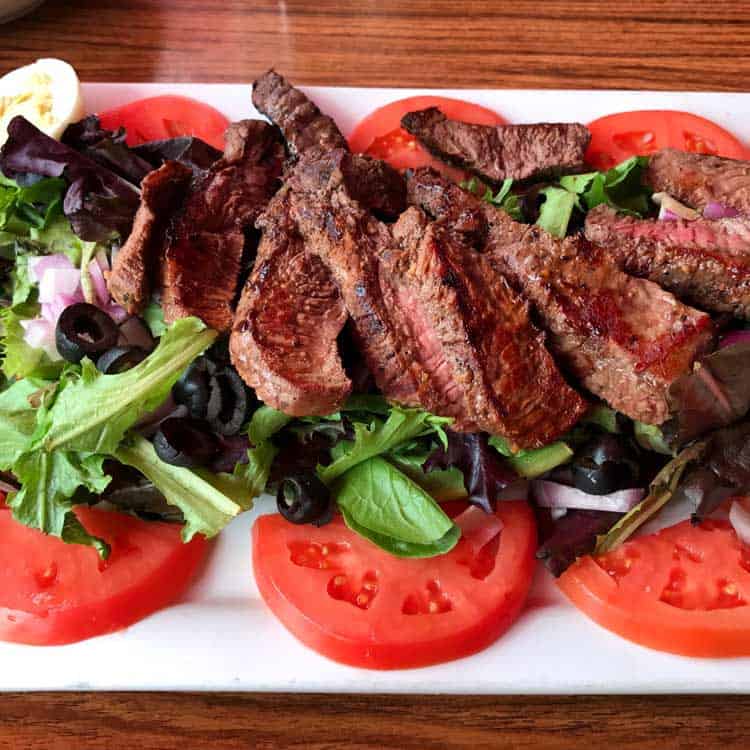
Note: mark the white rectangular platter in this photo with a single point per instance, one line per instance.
(222, 637)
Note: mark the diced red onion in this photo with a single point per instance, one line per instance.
(554, 495)
(734, 337)
(40, 334)
(478, 527)
(99, 284)
(715, 210)
(739, 517)
(38, 266)
(101, 259)
(7, 488)
(675, 209)
(56, 281)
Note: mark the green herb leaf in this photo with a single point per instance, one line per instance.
(378, 497)
(651, 438)
(533, 463)
(399, 548)
(380, 437)
(442, 485)
(207, 510)
(154, 317)
(92, 413)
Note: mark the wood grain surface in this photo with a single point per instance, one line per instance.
(523, 43)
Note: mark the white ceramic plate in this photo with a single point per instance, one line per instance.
(221, 636)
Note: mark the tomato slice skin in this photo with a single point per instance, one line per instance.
(617, 137)
(53, 593)
(684, 590)
(380, 133)
(393, 627)
(168, 116)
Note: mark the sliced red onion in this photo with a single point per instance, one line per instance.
(117, 313)
(666, 215)
(554, 495)
(478, 527)
(715, 210)
(39, 265)
(99, 284)
(739, 517)
(40, 334)
(7, 488)
(734, 337)
(102, 260)
(677, 210)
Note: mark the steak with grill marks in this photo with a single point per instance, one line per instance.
(204, 255)
(698, 179)
(626, 339)
(496, 153)
(434, 334)
(283, 340)
(704, 262)
(474, 338)
(136, 264)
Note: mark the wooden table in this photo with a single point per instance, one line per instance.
(524, 43)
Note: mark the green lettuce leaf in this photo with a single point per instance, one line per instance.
(555, 212)
(442, 485)
(48, 484)
(205, 507)
(17, 419)
(154, 317)
(266, 422)
(93, 412)
(535, 462)
(381, 437)
(19, 360)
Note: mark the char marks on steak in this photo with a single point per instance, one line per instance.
(474, 338)
(454, 340)
(302, 124)
(626, 339)
(283, 340)
(496, 153)
(704, 262)
(136, 264)
(204, 255)
(699, 179)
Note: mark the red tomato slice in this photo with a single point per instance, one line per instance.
(53, 593)
(615, 138)
(684, 589)
(352, 602)
(168, 116)
(380, 133)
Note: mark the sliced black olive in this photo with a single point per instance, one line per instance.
(192, 389)
(601, 479)
(183, 441)
(120, 358)
(227, 402)
(84, 330)
(303, 498)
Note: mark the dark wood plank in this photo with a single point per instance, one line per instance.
(654, 44)
(661, 44)
(320, 722)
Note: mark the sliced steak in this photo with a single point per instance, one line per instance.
(203, 259)
(283, 340)
(625, 338)
(704, 262)
(699, 179)
(453, 340)
(301, 123)
(519, 152)
(136, 264)
(474, 338)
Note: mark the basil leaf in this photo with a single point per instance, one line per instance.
(93, 413)
(378, 497)
(442, 485)
(399, 548)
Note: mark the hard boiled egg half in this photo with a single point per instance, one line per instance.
(47, 93)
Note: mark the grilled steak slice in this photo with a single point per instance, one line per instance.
(704, 262)
(520, 152)
(135, 265)
(698, 179)
(301, 123)
(626, 339)
(203, 259)
(306, 130)
(350, 242)
(474, 338)
(283, 340)
(433, 333)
